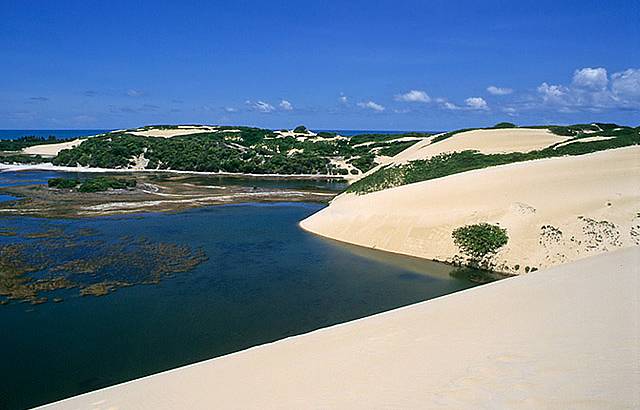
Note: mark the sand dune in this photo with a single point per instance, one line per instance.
(555, 211)
(491, 141)
(565, 338)
(175, 132)
(51, 150)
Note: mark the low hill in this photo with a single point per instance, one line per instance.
(526, 198)
(223, 149)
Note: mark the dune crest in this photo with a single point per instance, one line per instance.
(555, 210)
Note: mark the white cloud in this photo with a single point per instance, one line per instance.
(591, 78)
(492, 89)
(260, 106)
(591, 90)
(414, 96)
(230, 109)
(450, 106)
(476, 103)
(134, 93)
(371, 105)
(343, 99)
(286, 105)
(551, 91)
(626, 84)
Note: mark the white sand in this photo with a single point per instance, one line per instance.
(51, 150)
(493, 141)
(565, 338)
(175, 132)
(418, 219)
(587, 139)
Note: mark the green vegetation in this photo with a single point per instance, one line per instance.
(28, 141)
(97, 184)
(505, 125)
(22, 159)
(251, 150)
(480, 241)
(63, 183)
(456, 162)
(301, 129)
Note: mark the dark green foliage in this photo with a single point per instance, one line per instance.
(505, 125)
(301, 129)
(364, 162)
(480, 241)
(395, 149)
(21, 159)
(252, 150)
(63, 183)
(100, 184)
(97, 184)
(456, 162)
(326, 134)
(28, 141)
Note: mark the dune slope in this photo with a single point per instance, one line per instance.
(555, 210)
(561, 338)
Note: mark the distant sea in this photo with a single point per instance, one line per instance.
(63, 134)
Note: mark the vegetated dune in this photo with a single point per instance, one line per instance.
(554, 210)
(175, 132)
(486, 141)
(51, 150)
(565, 338)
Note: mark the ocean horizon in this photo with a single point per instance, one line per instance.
(7, 134)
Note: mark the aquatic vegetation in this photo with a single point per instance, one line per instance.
(54, 260)
(452, 163)
(97, 184)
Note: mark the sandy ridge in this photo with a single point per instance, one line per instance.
(555, 211)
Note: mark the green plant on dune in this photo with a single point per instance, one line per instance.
(480, 241)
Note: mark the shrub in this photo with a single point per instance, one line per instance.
(480, 241)
(301, 129)
(62, 183)
(105, 183)
(505, 125)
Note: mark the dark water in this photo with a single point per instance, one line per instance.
(265, 279)
(61, 134)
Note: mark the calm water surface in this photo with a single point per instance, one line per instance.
(265, 279)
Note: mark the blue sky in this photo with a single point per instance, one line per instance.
(414, 65)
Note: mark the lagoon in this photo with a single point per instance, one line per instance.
(265, 279)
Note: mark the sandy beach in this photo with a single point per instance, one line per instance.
(561, 338)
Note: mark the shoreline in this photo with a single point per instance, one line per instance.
(47, 166)
(418, 359)
(587, 202)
